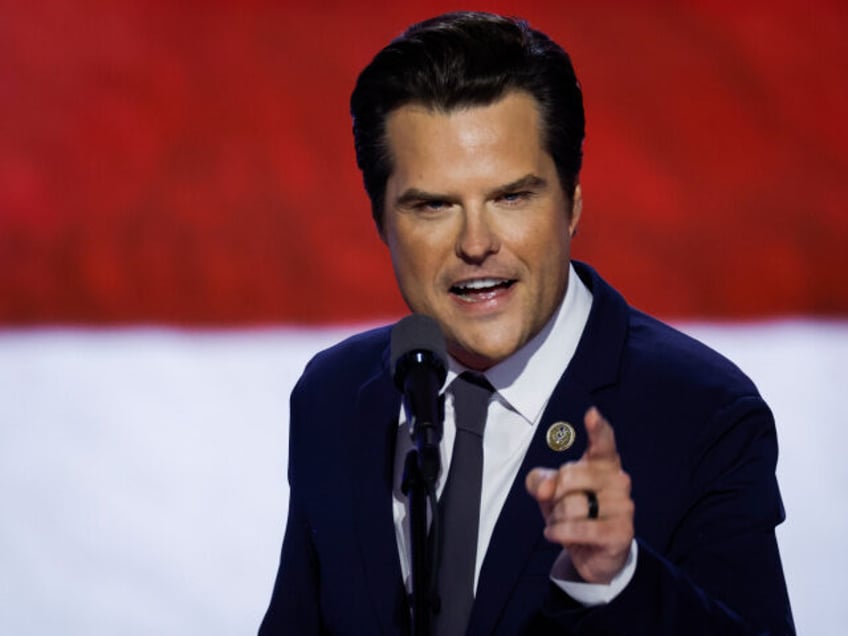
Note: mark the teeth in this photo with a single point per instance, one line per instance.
(480, 283)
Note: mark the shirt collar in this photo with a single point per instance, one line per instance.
(527, 378)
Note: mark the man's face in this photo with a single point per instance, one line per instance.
(478, 226)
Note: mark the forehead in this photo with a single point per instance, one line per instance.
(493, 140)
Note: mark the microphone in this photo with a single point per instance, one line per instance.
(418, 354)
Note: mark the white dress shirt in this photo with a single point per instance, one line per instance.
(523, 383)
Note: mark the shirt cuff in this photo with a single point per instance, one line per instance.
(591, 594)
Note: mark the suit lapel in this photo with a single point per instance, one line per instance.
(374, 432)
(518, 531)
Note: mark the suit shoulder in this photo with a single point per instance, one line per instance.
(680, 360)
(348, 362)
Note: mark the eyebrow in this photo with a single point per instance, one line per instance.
(527, 182)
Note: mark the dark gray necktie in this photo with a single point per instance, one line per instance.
(459, 505)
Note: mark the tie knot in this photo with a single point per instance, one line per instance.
(471, 394)
(477, 379)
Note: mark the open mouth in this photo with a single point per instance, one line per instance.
(479, 289)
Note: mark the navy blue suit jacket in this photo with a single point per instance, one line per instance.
(692, 431)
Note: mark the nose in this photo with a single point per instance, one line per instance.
(478, 237)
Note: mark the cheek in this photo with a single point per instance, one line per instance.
(546, 253)
(415, 263)
(421, 248)
(538, 244)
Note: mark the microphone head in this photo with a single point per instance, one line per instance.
(417, 338)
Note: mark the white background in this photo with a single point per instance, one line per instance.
(142, 472)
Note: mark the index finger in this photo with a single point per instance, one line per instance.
(601, 436)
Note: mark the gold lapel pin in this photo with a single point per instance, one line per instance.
(561, 436)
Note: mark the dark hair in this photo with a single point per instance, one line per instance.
(466, 59)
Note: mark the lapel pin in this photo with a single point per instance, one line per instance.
(561, 436)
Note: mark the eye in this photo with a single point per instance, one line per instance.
(513, 198)
(431, 205)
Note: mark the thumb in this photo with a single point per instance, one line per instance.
(541, 484)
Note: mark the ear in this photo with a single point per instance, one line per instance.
(576, 210)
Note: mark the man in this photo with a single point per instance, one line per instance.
(468, 131)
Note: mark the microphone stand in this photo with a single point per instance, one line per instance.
(421, 469)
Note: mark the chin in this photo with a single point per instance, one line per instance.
(481, 358)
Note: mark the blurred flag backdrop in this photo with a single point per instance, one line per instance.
(182, 226)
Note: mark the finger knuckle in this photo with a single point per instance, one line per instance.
(625, 483)
(566, 475)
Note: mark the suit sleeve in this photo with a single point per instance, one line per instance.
(720, 572)
(295, 601)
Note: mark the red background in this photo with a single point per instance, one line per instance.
(192, 163)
